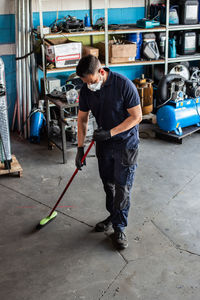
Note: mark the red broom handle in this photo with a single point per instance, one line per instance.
(71, 179)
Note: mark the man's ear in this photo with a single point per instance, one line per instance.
(102, 71)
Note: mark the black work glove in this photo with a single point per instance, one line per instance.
(100, 135)
(79, 156)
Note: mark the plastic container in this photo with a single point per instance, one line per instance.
(187, 43)
(161, 41)
(172, 48)
(189, 12)
(136, 38)
(87, 21)
(173, 15)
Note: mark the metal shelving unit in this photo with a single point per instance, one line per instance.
(169, 28)
(136, 30)
(185, 58)
(184, 27)
(106, 33)
(71, 34)
(139, 63)
(163, 28)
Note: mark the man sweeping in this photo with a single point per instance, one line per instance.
(114, 101)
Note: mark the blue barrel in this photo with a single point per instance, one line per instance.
(36, 125)
(178, 115)
(136, 38)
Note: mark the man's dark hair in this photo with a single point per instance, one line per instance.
(88, 65)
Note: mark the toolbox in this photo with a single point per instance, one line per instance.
(146, 23)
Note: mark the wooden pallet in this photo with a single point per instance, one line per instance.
(169, 136)
(15, 168)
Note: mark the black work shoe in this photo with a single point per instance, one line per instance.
(120, 239)
(103, 225)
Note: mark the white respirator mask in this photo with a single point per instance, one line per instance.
(95, 86)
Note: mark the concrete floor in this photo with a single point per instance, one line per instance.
(67, 260)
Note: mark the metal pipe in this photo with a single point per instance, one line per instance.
(15, 112)
(27, 62)
(23, 70)
(91, 20)
(34, 76)
(91, 12)
(18, 63)
(42, 45)
(167, 37)
(106, 33)
(17, 103)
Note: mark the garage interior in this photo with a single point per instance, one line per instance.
(67, 259)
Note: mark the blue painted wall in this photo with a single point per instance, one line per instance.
(7, 29)
(115, 15)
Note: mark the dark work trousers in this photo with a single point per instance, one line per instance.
(117, 170)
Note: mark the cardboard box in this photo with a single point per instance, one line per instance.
(63, 52)
(118, 53)
(90, 50)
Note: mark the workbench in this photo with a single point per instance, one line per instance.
(59, 142)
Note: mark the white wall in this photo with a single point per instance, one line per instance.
(7, 7)
(48, 5)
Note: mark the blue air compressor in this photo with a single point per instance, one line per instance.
(178, 103)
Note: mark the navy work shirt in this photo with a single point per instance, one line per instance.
(109, 106)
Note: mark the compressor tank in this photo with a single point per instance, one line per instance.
(177, 115)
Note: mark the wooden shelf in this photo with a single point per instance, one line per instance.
(139, 63)
(136, 30)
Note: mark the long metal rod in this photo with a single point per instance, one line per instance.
(91, 12)
(23, 70)
(91, 21)
(106, 33)
(15, 112)
(28, 70)
(17, 103)
(18, 63)
(167, 37)
(42, 45)
(34, 77)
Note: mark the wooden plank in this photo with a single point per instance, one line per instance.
(15, 167)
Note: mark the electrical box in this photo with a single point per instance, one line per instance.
(51, 84)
